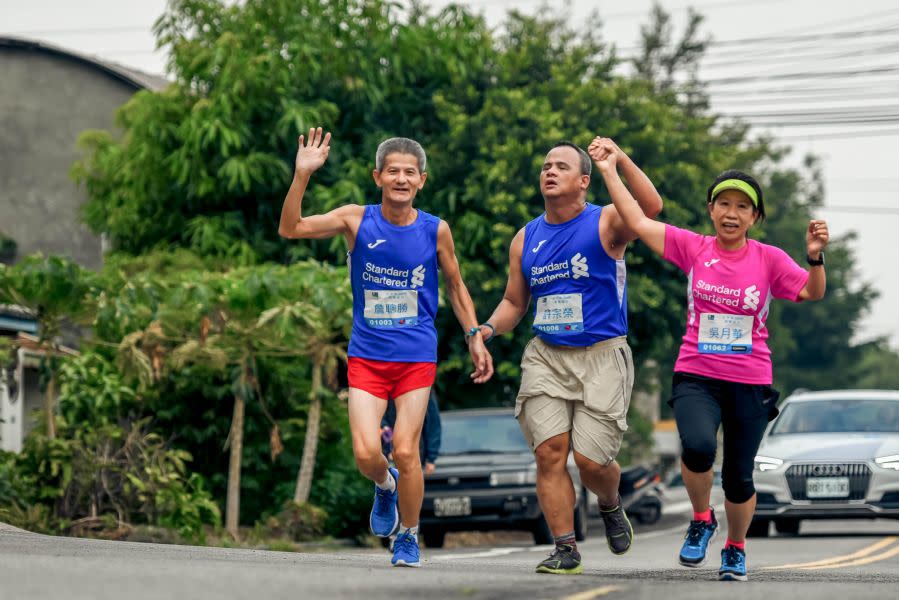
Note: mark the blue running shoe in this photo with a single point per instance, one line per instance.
(733, 565)
(696, 542)
(405, 550)
(385, 517)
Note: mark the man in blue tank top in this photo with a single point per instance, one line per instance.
(395, 251)
(577, 373)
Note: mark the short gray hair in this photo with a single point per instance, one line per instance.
(400, 145)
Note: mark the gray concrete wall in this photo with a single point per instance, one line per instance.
(46, 102)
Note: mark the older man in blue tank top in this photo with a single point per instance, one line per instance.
(577, 373)
(395, 251)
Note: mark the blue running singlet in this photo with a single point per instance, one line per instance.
(579, 291)
(393, 270)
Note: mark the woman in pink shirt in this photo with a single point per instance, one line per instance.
(722, 377)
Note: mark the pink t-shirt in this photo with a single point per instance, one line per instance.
(729, 295)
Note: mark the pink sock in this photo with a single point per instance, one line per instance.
(703, 516)
(740, 545)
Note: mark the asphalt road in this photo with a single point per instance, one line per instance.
(829, 559)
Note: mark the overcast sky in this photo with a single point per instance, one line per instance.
(809, 61)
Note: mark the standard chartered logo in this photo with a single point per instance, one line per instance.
(751, 299)
(418, 276)
(579, 267)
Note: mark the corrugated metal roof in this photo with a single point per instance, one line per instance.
(133, 77)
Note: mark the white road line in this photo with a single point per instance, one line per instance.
(485, 554)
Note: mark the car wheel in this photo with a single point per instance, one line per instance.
(433, 538)
(758, 528)
(542, 534)
(787, 526)
(580, 520)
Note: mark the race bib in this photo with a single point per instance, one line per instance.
(389, 309)
(725, 334)
(559, 314)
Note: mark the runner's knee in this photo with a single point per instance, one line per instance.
(552, 453)
(366, 457)
(405, 455)
(588, 466)
(699, 454)
(738, 489)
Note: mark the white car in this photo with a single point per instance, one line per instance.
(828, 455)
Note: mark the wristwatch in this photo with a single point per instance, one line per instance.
(813, 262)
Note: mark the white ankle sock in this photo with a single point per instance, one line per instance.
(409, 530)
(388, 484)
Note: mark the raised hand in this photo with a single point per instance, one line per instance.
(816, 237)
(313, 151)
(604, 153)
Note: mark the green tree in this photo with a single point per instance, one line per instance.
(227, 322)
(205, 164)
(58, 292)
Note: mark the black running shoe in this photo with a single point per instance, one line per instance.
(619, 531)
(564, 560)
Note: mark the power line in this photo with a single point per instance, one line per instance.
(890, 109)
(726, 45)
(802, 75)
(843, 22)
(618, 15)
(838, 135)
(799, 56)
(881, 85)
(842, 95)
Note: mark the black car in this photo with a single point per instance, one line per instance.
(486, 480)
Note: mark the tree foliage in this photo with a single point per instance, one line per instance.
(190, 198)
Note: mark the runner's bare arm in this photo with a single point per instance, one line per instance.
(652, 232)
(816, 238)
(311, 155)
(640, 186)
(461, 302)
(514, 304)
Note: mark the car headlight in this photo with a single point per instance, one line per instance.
(766, 463)
(888, 462)
(513, 477)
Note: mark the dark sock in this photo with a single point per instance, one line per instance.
(611, 508)
(566, 539)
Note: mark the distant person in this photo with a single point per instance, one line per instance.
(395, 251)
(723, 372)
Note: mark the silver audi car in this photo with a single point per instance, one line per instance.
(828, 455)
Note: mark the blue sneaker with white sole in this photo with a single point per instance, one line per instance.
(406, 552)
(696, 543)
(385, 516)
(733, 565)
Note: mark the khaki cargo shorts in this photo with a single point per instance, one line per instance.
(584, 390)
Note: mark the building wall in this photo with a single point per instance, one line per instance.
(46, 102)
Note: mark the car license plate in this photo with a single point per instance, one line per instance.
(452, 507)
(827, 487)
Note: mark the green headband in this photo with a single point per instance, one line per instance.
(736, 184)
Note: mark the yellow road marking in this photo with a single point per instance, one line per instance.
(855, 563)
(594, 593)
(839, 560)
